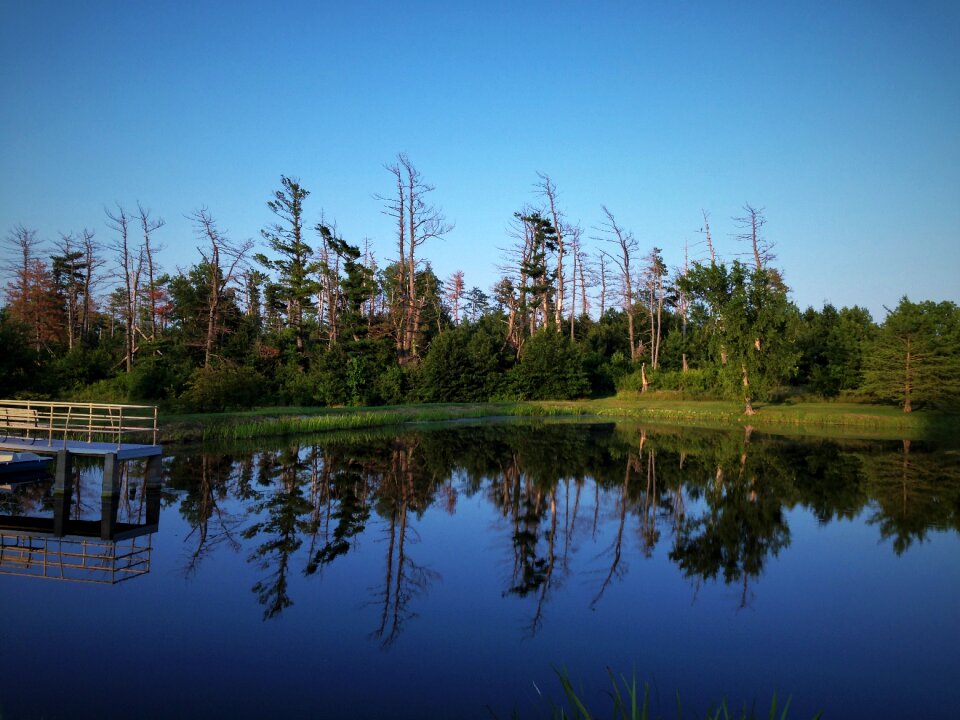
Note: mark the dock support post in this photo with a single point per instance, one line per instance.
(109, 504)
(63, 478)
(111, 475)
(62, 492)
(152, 473)
(153, 481)
(109, 496)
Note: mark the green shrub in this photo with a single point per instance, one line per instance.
(157, 377)
(392, 386)
(114, 390)
(694, 383)
(219, 388)
(550, 368)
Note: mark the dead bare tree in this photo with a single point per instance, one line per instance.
(24, 242)
(654, 272)
(751, 226)
(417, 222)
(149, 226)
(92, 263)
(455, 290)
(682, 303)
(626, 247)
(576, 273)
(370, 262)
(706, 231)
(603, 276)
(548, 190)
(130, 268)
(217, 251)
(328, 290)
(588, 278)
(32, 295)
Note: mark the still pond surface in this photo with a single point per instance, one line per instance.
(449, 571)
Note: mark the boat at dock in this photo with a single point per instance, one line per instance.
(17, 467)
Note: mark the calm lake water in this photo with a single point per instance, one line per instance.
(448, 571)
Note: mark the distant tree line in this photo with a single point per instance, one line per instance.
(308, 317)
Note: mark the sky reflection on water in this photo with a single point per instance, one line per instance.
(441, 571)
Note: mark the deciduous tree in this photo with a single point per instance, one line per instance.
(747, 320)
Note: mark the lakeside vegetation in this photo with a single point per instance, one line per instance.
(326, 324)
(850, 419)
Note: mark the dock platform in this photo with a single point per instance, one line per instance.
(123, 451)
(115, 433)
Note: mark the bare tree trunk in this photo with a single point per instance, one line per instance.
(751, 224)
(627, 246)
(748, 405)
(549, 190)
(706, 229)
(417, 222)
(89, 250)
(573, 285)
(149, 226)
(455, 294)
(908, 380)
(603, 284)
(217, 279)
(682, 301)
(581, 261)
(131, 271)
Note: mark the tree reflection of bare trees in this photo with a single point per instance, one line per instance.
(204, 504)
(403, 490)
(617, 570)
(720, 498)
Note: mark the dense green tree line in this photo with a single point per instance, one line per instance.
(313, 319)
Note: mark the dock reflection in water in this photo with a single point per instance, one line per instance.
(55, 532)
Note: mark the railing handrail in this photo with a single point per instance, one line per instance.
(65, 419)
(63, 403)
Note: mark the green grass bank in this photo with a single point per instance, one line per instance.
(811, 418)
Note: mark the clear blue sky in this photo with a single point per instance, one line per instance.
(841, 119)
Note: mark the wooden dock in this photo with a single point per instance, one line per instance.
(115, 433)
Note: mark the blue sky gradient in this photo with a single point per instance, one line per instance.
(842, 120)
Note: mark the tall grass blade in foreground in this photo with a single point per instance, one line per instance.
(627, 705)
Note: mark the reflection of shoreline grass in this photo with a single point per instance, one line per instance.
(847, 419)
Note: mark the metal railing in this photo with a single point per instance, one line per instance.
(84, 422)
(76, 560)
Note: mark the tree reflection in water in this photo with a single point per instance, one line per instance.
(287, 521)
(403, 489)
(722, 500)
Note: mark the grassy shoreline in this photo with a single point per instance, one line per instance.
(852, 420)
